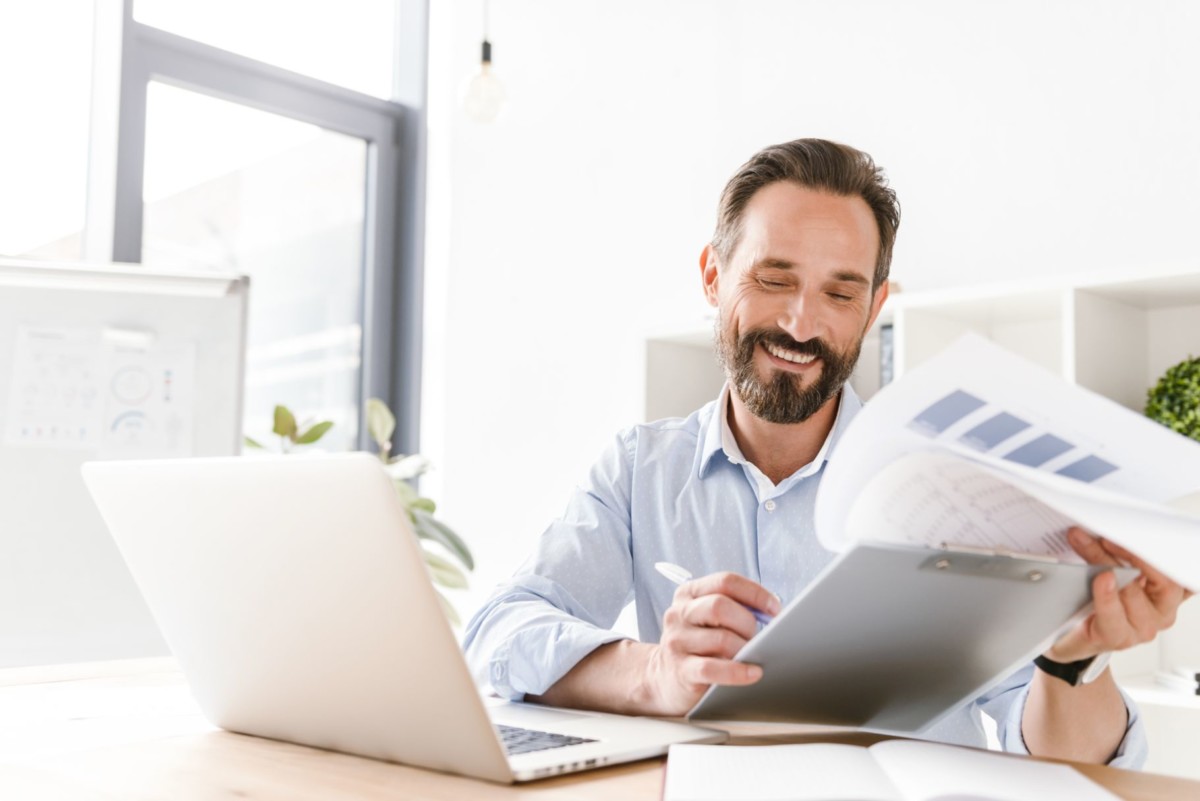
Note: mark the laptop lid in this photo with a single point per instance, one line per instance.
(296, 600)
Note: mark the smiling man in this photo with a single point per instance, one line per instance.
(797, 270)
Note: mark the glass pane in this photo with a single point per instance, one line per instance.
(348, 43)
(45, 81)
(236, 189)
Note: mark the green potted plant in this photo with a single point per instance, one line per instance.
(435, 537)
(1175, 400)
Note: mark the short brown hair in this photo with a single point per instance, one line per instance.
(817, 164)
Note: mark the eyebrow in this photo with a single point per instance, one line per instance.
(772, 263)
(854, 278)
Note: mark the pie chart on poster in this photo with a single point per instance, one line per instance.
(131, 385)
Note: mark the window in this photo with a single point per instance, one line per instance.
(45, 58)
(348, 43)
(221, 161)
(233, 188)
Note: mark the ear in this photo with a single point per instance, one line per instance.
(877, 302)
(709, 274)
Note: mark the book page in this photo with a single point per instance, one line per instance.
(807, 772)
(925, 771)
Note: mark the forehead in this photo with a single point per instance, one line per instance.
(809, 228)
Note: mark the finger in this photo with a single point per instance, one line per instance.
(722, 612)
(1090, 548)
(1143, 613)
(1130, 558)
(739, 588)
(705, 641)
(1165, 592)
(1108, 628)
(705, 670)
(1145, 606)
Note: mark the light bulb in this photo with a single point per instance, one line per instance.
(485, 94)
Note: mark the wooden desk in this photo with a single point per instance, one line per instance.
(130, 731)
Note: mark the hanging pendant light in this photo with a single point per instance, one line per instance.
(485, 94)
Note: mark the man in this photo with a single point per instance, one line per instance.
(798, 272)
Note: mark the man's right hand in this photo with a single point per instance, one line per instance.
(706, 625)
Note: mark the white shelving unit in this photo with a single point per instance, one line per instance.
(1113, 334)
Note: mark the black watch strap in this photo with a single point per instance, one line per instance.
(1070, 672)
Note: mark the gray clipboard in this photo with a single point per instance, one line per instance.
(892, 638)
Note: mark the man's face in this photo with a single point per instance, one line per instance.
(794, 300)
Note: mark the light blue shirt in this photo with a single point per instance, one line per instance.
(679, 490)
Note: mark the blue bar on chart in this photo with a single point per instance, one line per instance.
(1039, 451)
(1088, 469)
(945, 413)
(993, 431)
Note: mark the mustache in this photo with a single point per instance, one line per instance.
(809, 347)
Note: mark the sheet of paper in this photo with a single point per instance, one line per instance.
(978, 397)
(933, 771)
(810, 772)
(118, 396)
(936, 500)
(55, 397)
(149, 402)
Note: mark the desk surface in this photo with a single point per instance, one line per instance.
(130, 730)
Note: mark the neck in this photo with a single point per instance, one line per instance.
(780, 449)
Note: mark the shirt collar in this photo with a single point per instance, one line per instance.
(718, 436)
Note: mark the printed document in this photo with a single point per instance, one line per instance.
(978, 448)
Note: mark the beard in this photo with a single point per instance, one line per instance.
(782, 398)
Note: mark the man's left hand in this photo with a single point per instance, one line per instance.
(1121, 618)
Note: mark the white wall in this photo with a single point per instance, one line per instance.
(1023, 138)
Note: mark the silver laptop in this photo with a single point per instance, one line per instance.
(293, 593)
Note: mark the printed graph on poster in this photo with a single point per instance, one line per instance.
(118, 393)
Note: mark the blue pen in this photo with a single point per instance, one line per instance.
(679, 575)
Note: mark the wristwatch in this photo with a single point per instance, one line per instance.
(1081, 671)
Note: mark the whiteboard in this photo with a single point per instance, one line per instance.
(100, 362)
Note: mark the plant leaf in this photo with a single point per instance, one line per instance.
(445, 572)
(285, 423)
(408, 466)
(408, 495)
(381, 423)
(424, 504)
(430, 529)
(252, 443)
(314, 433)
(448, 608)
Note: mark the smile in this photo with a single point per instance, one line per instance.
(790, 356)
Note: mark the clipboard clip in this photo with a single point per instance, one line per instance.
(994, 563)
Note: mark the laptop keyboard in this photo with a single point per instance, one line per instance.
(524, 741)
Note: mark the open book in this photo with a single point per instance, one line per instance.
(895, 770)
(980, 449)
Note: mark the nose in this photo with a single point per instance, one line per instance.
(800, 317)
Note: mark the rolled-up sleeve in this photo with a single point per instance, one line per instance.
(561, 604)
(1006, 705)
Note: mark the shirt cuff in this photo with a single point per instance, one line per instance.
(533, 659)
(1131, 753)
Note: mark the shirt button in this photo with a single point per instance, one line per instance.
(770, 505)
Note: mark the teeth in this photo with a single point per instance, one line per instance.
(787, 355)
